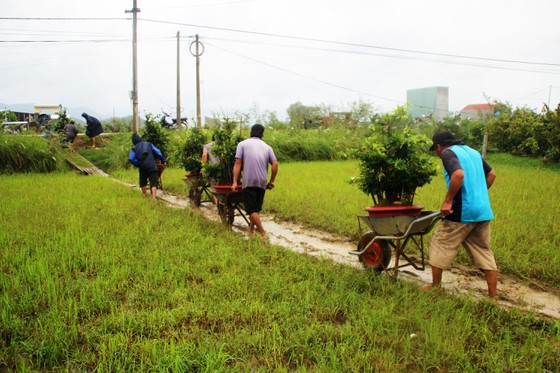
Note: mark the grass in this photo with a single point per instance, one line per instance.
(93, 276)
(524, 232)
(29, 154)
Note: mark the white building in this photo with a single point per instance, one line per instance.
(429, 102)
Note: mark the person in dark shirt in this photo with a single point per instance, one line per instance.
(93, 128)
(143, 155)
(71, 133)
(466, 211)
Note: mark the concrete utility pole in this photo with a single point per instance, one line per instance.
(178, 78)
(134, 12)
(198, 119)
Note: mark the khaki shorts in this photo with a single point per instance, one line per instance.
(475, 238)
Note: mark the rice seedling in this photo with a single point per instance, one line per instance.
(93, 276)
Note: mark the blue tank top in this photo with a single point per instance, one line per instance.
(472, 203)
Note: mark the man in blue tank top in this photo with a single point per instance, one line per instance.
(466, 211)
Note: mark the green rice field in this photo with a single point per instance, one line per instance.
(95, 277)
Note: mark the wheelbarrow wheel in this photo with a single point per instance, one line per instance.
(378, 256)
(197, 198)
(230, 214)
(227, 213)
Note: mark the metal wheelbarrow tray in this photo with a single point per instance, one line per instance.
(198, 188)
(374, 248)
(229, 203)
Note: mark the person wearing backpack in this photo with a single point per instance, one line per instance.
(143, 155)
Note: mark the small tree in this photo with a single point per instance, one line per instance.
(7, 116)
(224, 148)
(191, 151)
(394, 161)
(155, 134)
(62, 121)
(551, 131)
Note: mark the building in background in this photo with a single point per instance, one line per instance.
(475, 111)
(429, 102)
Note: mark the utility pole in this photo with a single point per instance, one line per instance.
(198, 52)
(134, 12)
(198, 121)
(178, 79)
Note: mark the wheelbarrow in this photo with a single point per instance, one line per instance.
(198, 189)
(396, 232)
(161, 168)
(230, 203)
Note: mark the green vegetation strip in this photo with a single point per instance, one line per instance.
(93, 276)
(524, 232)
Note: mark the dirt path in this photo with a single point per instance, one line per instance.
(512, 292)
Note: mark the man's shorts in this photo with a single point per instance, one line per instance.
(253, 198)
(153, 176)
(475, 238)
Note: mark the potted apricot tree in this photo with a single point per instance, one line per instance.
(225, 145)
(393, 163)
(190, 158)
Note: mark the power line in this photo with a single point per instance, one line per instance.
(307, 77)
(351, 44)
(401, 50)
(65, 18)
(416, 58)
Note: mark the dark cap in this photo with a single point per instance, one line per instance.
(444, 138)
(257, 130)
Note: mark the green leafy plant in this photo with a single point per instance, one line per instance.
(394, 161)
(155, 134)
(26, 154)
(191, 151)
(224, 148)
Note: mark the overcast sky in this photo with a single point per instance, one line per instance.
(269, 54)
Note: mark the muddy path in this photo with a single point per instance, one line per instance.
(512, 292)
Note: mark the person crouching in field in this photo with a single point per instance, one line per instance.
(143, 155)
(93, 128)
(71, 133)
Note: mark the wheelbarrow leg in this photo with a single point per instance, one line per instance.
(398, 248)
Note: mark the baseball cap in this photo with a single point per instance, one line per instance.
(444, 138)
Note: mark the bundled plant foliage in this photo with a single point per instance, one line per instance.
(29, 154)
(551, 121)
(114, 155)
(224, 148)
(191, 151)
(62, 121)
(155, 134)
(394, 161)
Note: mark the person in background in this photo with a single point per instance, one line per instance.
(143, 155)
(466, 211)
(93, 128)
(253, 156)
(208, 157)
(71, 133)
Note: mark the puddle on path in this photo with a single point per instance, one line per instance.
(511, 292)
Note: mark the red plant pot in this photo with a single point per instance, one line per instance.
(379, 211)
(225, 189)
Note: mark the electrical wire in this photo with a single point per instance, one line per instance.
(306, 76)
(402, 57)
(351, 44)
